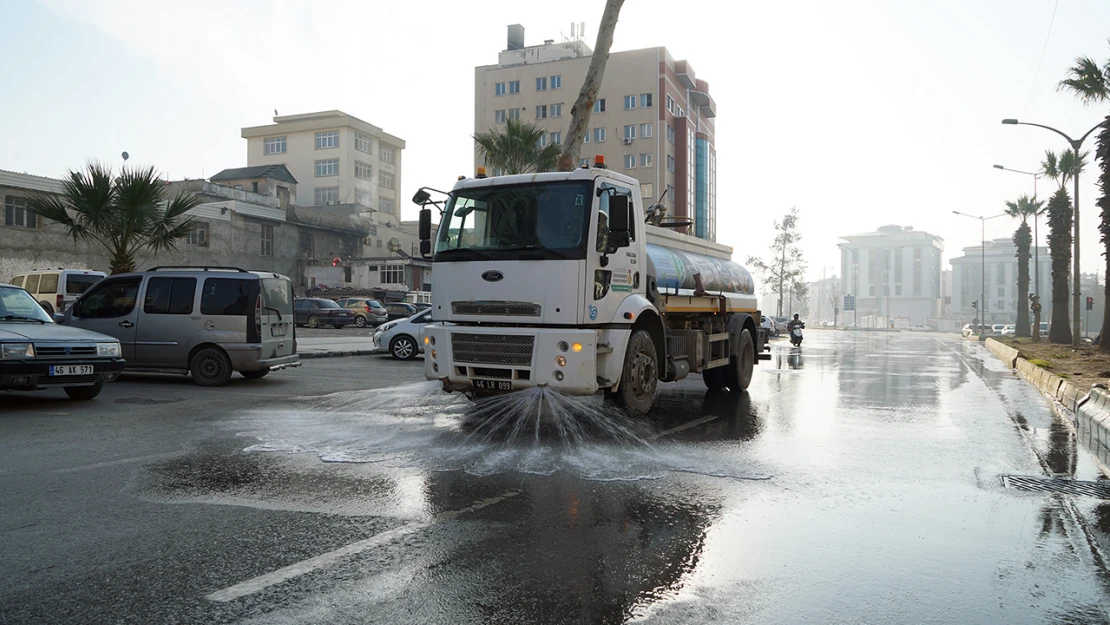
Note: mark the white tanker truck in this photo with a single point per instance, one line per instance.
(556, 280)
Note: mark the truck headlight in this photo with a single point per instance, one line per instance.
(108, 349)
(17, 350)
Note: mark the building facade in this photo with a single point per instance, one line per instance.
(997, 262)
(336, 159)
(653, 118)
(895, 273)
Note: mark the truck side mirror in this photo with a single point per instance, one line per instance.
(425, 231)
(620, 222)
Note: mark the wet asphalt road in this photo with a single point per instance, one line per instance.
(857, 482)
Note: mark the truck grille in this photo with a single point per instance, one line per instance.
(492, 349)
(509, 309)
(74, 351)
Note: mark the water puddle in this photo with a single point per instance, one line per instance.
(537, 431)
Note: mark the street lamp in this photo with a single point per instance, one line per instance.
(983, 270)
(1075, 145)
(1036, 238)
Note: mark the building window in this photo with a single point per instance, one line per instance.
(514, 86)
(871, 290)
(629, 102)
(499, 89)
(670, 163)
(392, 274)
(385, 206)
(363, 144)
(385, 154)
(198, 236)
(646, 130)
(557, 110)
(328, 167)
(274, 145)
(325, 140)
(599, 135)
(514, 114)
(499, 116)
(670, 104)
(645, 190)
(557, 82)
(541, 83)
(670, 193)
(630, 132)
(326, 195)
(379, 244)
(16, 213)
(670, 133)
(645, 100)
(267, 240)
(362, 170)
(1002, 291)
(897, 289)
(586, 138)
(541, 111)
(630, 161)
(679, 112)
(556, 137)
(599, 105)
(542, 141)
(386, 180)
(645, 160)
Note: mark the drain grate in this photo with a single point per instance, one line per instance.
(1058, 485)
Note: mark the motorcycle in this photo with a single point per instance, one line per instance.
(796, 335)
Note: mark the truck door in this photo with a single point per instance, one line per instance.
(623, 274)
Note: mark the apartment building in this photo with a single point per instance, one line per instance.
(335, 157)
(997, 264)
(894, 272)
(653, 118)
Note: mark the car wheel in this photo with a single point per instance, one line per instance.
(403, 347)
(210, 367)
(313, 322)
(360, 321)
(84, 393)
(254, 375)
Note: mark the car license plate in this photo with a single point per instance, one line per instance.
(72, 370)
(278, 330)
(493, 385)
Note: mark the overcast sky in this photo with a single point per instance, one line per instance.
(859, 112)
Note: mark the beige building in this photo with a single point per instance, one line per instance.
(336, 159)
(653, 119)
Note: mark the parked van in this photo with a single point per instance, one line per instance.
(56, 289)
(205, 321)
(418, 297)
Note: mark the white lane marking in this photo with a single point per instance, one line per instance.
(112, 463)
(256, 584)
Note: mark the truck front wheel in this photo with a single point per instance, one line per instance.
(640, 376)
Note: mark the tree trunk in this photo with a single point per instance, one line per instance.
(1059, 245)
(1022, 239)
(1102, 154)
(584, 105)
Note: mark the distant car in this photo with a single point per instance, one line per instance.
(399, 310)
(918, 327)
(317, 311)
(968, 330)
(403, 339)
(36, 353)
(829, 324)
(769, 324)
(368, 312)
(422, 305)
(997, 328)
(1009, 330)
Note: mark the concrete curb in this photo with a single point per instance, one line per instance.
(335, 353)
(1005, 353)
(1093, 417)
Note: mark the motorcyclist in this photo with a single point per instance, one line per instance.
(795, 323)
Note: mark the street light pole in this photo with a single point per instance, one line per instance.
(983, 264)
(886, 269)
(1036, 237)
(1076, 144)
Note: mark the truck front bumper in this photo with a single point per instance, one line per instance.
(491, 360)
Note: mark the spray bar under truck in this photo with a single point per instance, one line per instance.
(556, 280)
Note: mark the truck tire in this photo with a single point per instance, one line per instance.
(714, 379)
(738, 375)
(640, 375)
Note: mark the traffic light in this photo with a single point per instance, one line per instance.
(975, 304)
(335, 261)
(1090, 303)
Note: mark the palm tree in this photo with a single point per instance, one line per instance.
(125, 214)
(1059, 248)
(1091, 84)
(1023, 209)
(517, 150)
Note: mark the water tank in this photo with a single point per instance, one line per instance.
(516, 37)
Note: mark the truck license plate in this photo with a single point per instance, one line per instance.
(493, 385)
(72, 370)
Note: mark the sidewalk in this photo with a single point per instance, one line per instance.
(330, 347)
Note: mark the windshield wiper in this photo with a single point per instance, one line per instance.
(275, 310)
(21, 318)
(534, 248)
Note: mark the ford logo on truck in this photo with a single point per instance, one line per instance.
(492, 276)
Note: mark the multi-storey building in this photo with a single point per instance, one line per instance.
(894, 273)
(997, 264)
(336, 159)
(653, 118)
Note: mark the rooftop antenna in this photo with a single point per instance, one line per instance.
(582, 30)
(572, 27)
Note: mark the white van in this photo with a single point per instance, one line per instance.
(418, 297)
(56, 289)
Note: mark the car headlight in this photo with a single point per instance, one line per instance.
(17, 350)
(387, 327)
(108, 349)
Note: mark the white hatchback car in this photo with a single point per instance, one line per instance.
(404, 338)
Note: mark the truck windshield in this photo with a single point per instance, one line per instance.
(517, 222)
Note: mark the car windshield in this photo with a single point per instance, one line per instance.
(375, 304)
(18, 305)
(527, 221)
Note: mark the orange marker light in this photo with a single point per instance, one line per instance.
(481, 172)
(627, 315)
(599, 160)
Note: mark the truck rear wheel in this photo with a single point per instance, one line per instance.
(738, 375)
(640, 376)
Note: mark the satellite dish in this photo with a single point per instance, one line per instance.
(394, 245)
(125, 156)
